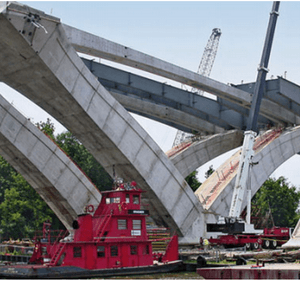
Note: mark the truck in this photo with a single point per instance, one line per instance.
(270, 238)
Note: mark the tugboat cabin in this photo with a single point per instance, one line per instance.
(114, 235)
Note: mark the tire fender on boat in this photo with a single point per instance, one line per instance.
(124, 206)
(90, 208)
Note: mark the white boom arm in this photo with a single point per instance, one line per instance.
(242, 174)
(247, 150)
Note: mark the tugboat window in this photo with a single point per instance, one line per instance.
(113, 200)
(136, 199)
(114, 251)
(100, 251)
(146, 250)
(133, 250)
(122, 224)
(136, 224)
(77, 252)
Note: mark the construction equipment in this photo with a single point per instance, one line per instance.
(209, 56)
(270, 238)
(233, 223)
(204, 69)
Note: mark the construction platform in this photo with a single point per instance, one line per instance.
(268, 271)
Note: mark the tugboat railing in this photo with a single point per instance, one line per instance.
(102, 227)
(48, 235)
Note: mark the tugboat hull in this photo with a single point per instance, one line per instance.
(72, 272)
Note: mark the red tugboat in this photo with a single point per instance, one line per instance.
(111, 240)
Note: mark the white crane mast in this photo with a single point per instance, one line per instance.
(247, 149)
(204, 69)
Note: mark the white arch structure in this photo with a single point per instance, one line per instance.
(201, 152)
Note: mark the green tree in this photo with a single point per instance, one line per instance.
(192, 180)
(84, 160)
(22, 211)
(282, 199)
(209, 171)
(47, 127)
(79, 155)
(6, 177)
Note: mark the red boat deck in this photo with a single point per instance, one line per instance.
(268, 271)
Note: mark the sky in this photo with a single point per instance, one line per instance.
(178, 32)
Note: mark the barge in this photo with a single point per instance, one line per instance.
(268, 271)
(109, 240)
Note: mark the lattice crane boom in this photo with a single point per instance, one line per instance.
(209, 55)
(210, 52)
(204, 69)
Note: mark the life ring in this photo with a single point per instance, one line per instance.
(90, 208)
(124, 206)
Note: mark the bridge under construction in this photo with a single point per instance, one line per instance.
(39, 58)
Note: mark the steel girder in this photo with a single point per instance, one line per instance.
(220, 112)
(229, 116)
(280, 91)
(99, 47)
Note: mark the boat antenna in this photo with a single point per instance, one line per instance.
(114, 177)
